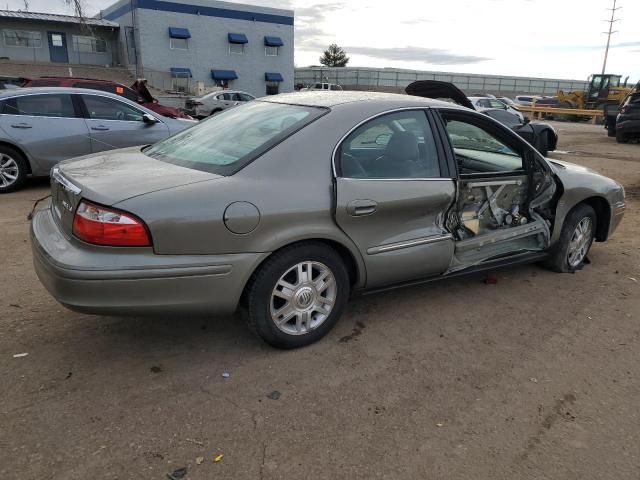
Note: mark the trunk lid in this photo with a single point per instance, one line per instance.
(436, 89)
(113, 177)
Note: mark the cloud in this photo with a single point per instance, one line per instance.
(435, 56)
(309, 34)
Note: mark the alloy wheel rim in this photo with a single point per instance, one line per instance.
(9, 170)
(303, 298)
(580, 242)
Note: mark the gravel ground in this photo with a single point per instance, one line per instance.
(536, 376)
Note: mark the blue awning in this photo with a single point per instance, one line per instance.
(273, 42)
(175, 32)
(237, 38)
(181, 72)
(224, 74)
(273, 77)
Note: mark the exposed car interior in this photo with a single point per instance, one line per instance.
(394, 146)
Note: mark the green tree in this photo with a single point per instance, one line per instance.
(334, 56)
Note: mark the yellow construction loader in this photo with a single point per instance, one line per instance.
(602, 90)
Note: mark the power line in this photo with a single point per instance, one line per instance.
(610, 32)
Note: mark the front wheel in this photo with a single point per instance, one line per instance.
(297, 295)
(13, 169)
(575, 240)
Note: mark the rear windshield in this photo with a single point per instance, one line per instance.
(226, 142)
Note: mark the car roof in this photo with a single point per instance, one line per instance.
(32, 90)
(333, 98)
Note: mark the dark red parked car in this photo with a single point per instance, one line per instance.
(138, 92)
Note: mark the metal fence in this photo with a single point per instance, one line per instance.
(387, 79)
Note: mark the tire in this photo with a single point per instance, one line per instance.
(566, 117)
(305, 319)
(561, 259)
(13, 169)
(611, 129)
(542, 145)
(621, 137)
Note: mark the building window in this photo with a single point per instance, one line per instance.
(273, 88)
(179, 43)
(271, 51)
(22, 38)
(236, 48)
(89, 44)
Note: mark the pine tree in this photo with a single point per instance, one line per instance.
(334, 56)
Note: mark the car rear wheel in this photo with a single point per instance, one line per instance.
(297, 295)
(575, 240)
(13, 169)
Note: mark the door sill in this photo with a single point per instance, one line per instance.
(512, 260)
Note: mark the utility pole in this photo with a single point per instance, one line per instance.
(610, 32)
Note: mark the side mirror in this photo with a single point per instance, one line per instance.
(526, 121)
(149, 119)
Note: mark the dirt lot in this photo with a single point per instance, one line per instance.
(537, 376)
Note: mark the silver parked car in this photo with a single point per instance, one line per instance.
(484, 103)
(287, 205)
(215, 102)
(39, 127)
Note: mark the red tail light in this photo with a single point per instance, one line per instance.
(107, 226)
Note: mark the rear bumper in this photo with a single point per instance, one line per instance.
(127, 281)
(628, 126)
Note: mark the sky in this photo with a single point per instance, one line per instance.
(538, 38)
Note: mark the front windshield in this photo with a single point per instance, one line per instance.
(226, 142)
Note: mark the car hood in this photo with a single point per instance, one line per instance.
(114, 176)
(576, 177)
(436, 89)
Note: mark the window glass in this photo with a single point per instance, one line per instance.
(506, 118)
(226, 142)
(50, 105)
(103, 108)
(236, 48)
(89, 44)
(22, 38)
(179, 43)
(271, 51)
(224, 96)
(478, 151)
(273, 88)
(246, 97)
(397, 145)
(497, 104)
(56, 40)
(335, 87)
